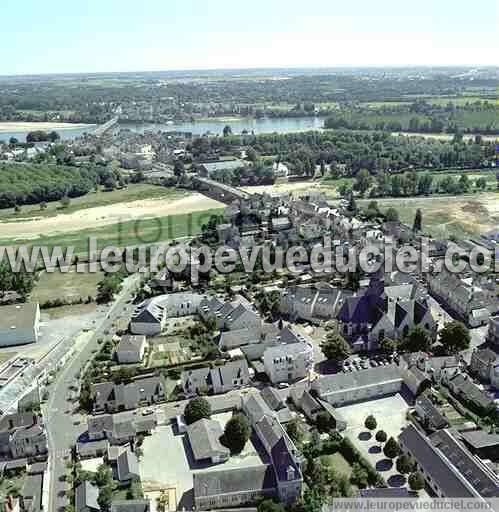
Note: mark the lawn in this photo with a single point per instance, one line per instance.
(144, 231)
(70, 286)
(338, 463)
(133, 192)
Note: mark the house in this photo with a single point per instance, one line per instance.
(131, 506)
(118, 430)
(344, 388)
(381, 312)
(127, 468)
(220, 379)
(431, 418)
(22, 435)
(31, 493)
(19, 324)
(86, 496)
(416, 380)
(110, 397)
(277, 404)
(92, 449)
(131, 349)
(482, 444)
(204, 438)
(493, 332)
(233, 488)
(311, 304)
(483, 363)
(290, 360)
(463, 388)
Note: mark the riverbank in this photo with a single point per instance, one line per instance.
(22, 126)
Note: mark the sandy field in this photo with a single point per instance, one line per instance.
(105, 215)
(284, 187)
(18, 126)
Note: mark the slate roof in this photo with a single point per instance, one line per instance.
(130, 343)
(272, 398)
(127, 466)
(485, 483)
(480, 439)
(32, 492)
(22, 316)
(86, 495)
(234, 480)
(256, 407)
(131, 506)
(470, 391)
(436, 419)
(328, 384)
(434, 464)
(204, 437)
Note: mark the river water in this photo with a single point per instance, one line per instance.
(213, 126)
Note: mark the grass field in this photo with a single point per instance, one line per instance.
(137, 232)
(5, 356)
(338, 463)
(445, 216)
(133, 192)
(70, 286)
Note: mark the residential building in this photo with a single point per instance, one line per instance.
(463, 388)
(204, 438)
(311, 304)
(493, 332)
(431, 418)
(118, 430)
(22, 435)
(220, 379)
(19, 324)
(291, 359)
(31, 493)
(482, 444)
(483, 363)
(127, 468)
(110, 397)
(86, 496)
(131, 349)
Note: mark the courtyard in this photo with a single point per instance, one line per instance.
(168, 463)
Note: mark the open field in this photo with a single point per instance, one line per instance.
(337, 463)
(137, 232)
(445, 216)
(119, 214)
(133, 192)
(21, 126)
(70, 286)
(446, 136)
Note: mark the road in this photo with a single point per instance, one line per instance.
(60, 423)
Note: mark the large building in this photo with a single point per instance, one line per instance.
(19, 324)
(22, 435)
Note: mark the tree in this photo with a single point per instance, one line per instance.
(388, 345)
(405, 464)
(352, 205)
(236, 434)
(391, 448)
(335, 347)
(65, 201)
(269, 505)
(359, 476)
(197, 409)
(417, 340)
(418, 221)
(416, 481)
(227, 130)
(454, 337)
(43, 205)
(294, 432)
(105, 497)
(392, 215)
(381, 436)
(362, 181)
(324, 422)
(371, 423)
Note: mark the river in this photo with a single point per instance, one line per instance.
(213, 126)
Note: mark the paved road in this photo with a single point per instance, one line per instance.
(62, 432)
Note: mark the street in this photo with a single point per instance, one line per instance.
(61, 430)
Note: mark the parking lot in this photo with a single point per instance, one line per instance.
(355, 363)
(167, 461)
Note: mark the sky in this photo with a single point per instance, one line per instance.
(71, 36)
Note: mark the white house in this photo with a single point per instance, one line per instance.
(19, 324)
(131, 349)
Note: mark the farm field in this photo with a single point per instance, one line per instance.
(133, 192)
(68, 286)
(445, 216)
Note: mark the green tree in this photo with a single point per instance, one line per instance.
(269, 505)
(388, 345)
(417, 340)
(335, 347)
(227, 130)
(405, 464)
(363, 181)
(371, 423)
(454, 337)
(381, 436)
(294, 431)
(236, 434)
(391, 448)
(359, 476)
(324, 422)
(392, 215)
(418, 221)
(416, 481)
(197, 409)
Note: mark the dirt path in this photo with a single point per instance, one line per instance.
(105, 215)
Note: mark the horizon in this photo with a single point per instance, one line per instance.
(121, 37)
